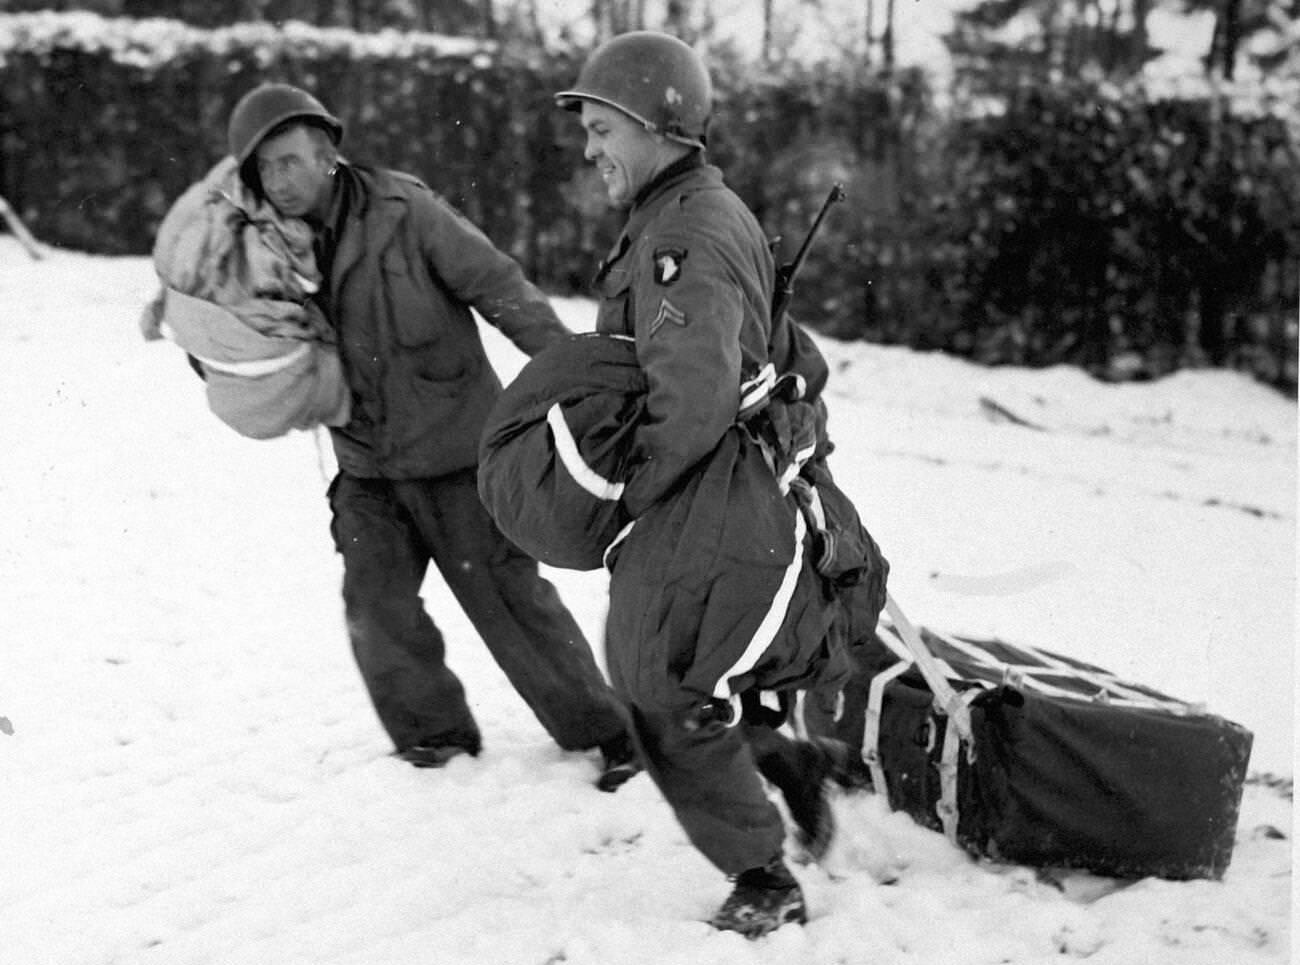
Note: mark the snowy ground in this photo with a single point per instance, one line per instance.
(192, 773)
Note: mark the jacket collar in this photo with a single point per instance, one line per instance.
(374, 208)
(329, 229)
(668, 182)
(687, 162)
(650, 200)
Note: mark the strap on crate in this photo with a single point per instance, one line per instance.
(1110, 689)
(946, 699)
(947, 808)
(871, 726)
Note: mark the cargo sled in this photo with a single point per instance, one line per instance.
(1025, 756)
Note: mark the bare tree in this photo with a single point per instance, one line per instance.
(766, 51)
(677, 18)
(871, 30)
(1226, 39)
(1139, 41)
(612, 17)
(887, 38)
(1069, 38)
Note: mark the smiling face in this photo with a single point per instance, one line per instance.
(626, 155)
(294, 167)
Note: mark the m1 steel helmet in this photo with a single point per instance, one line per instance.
(654, 78)
(265, 107)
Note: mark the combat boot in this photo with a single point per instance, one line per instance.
(762, 900)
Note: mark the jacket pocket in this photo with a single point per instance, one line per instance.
(412, 302)
(615, 313)
(440, 372)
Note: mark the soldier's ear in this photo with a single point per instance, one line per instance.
(327, 152)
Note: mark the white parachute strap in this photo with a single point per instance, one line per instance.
(255, 367)
(622, 534)
(812, 503)
(566, 447)
(317, 433)
(772, 620)
(792, 471)
(1109, 688)
(799, 715)
(737, 711)
(949, 765)
(754, 392)
(871, 726)
(946, 699)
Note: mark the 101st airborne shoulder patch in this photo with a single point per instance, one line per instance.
(668, 312)
(668, 265)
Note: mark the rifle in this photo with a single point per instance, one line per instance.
(784, 290)
(757, 391)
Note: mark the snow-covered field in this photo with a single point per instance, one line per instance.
(192, 773)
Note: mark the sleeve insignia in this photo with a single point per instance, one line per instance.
(668, 312)
(668, 265)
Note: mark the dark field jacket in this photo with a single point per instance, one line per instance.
(407, 271)
(721, 586)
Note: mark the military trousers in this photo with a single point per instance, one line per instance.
(388, 531)
(709, 775)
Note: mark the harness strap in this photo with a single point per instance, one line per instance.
(257, 367)
(809, 499)
(755, 392)
(871, 727)
(947, 808)
(622, 535)
(772, 620)
(946, 699)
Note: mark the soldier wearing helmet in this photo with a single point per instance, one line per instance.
(400, 272)
(691, 280)
(286, 145)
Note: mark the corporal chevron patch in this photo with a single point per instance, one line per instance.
(668, 312)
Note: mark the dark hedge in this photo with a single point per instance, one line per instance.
(1127, 235)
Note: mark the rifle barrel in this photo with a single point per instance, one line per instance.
(836, 194)
(786, 273)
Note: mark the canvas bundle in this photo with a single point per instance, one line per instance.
(1021, 755)
(554, 454)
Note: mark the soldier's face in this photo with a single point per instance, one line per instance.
(295, 173)
(626, 155)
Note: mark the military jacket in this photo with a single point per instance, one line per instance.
(406, 273)
(690, 279)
